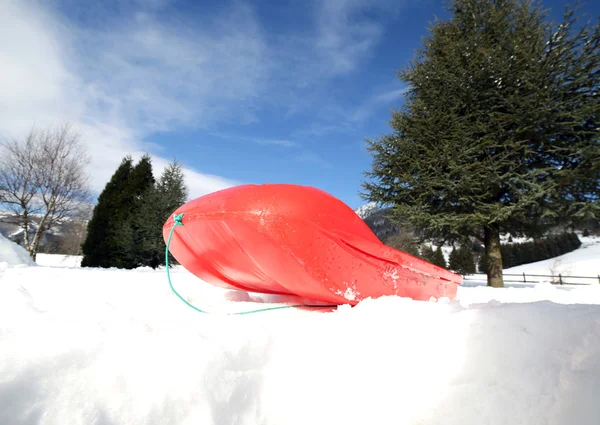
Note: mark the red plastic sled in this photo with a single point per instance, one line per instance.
(289, 239)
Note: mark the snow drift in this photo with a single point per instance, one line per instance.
(13, 255)
(105, 346)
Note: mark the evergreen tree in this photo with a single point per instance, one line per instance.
(499, 131)
(439, 259)
(428, 253)
(142, 209)
(102, 246)
(172, 187)
(155, 206)
(466, 260)
(462, 261)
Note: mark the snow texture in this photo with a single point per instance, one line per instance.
(58, 260)
(105, 346)
(366, 210)
(13, 255)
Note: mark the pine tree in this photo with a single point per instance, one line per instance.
(428, 253)
(466, 260)
(453, 263)
(155, 206)
(101, 247)
(461, 260)
(141, 187)
(172, 187)
(439, 259)
(499, 131)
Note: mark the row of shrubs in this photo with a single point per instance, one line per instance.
(516, 254)
(463, 259)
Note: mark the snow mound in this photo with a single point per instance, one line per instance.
(83, 346)
(13, 255)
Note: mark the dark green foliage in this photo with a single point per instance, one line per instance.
(586, 233)
(159, 203)
(540, 249)
(462, 260)
(427, 253)
(482, 264)
(134, 227)
(434, 256)
(153, 207)
(499, 131)
(453, 262)
(438, 258)
(126, 228)
(103, 246)
(172, 188)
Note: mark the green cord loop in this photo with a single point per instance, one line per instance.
(178, 221)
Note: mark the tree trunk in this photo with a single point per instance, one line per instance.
(38, 237)
(25, 225)
(494, 256)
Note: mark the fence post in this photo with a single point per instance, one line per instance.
(599, 278)
(524, 280)
(560, 278)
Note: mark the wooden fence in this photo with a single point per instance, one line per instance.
(559, 279)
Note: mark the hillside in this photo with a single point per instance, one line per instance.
(64, 237)
(377, 220)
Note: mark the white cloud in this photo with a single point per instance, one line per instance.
(119, 85)
(344, 34)
(121, 77)
(369, 105)
(284, 143)
(313, 158)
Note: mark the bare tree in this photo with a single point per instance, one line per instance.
(43, 181)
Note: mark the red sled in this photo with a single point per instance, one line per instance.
(296, 240)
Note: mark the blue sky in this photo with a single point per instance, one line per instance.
(240, 92)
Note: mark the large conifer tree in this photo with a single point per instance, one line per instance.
(101, 247)
(155, 206)
(141, 211)
(499, 131)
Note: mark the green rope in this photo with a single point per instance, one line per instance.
(178, 221)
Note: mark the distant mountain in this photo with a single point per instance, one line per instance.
(378, 221)
(366, 210)
(62, 238)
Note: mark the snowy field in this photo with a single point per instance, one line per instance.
(112, 347)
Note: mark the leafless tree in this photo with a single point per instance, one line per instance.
(43, 181)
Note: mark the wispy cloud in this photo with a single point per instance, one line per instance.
(284, 143)
(121, 83)
(366, 109)
(345, 35)
(125, 70)
(276, 142)
(313, 158)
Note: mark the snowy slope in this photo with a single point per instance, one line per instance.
(58, 260)
(90, 346)
(584, 261)
(364, 211)
(13, 255)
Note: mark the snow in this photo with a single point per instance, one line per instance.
(582, 262)
(108, 346)
(58, 260)
(13, 255)
(366, 210)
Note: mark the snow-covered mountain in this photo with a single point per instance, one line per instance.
(366, 210)
(64, 237)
